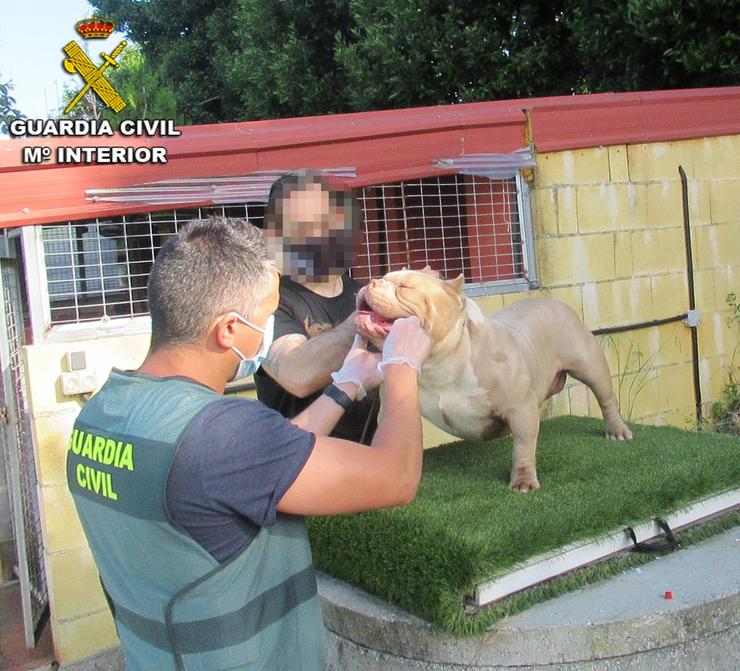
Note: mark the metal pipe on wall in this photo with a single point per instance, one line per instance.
(693, 317)
(690, 318)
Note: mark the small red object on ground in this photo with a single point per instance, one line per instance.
(668, 596)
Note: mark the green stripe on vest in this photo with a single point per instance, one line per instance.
(229, 629)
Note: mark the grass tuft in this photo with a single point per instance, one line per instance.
(466, 526)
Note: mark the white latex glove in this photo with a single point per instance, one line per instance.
(360, 367)
(407, 343)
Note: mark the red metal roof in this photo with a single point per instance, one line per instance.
(386, 146)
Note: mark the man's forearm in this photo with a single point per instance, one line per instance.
(306, 368)
(400, 433)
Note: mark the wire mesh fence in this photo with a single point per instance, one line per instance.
(23, 480)
(98, 269)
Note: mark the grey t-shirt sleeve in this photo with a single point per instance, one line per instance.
(235, 462)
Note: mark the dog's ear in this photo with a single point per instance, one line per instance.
(457, 284)
(428, 270)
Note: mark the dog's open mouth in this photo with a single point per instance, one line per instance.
(371, 322)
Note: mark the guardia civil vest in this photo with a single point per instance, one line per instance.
(174, 605)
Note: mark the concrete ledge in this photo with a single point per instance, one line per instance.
(622, 623)
(715, 653)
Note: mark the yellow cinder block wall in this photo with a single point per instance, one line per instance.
(80, 619)
(608, 241)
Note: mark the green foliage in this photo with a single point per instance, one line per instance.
(655, 44)
(231, 60)
(186, 42)
(726, 411)
(142, 87)
(466, 526)
(285, 64)
(633, 372)
(733, 319)
(8, 112)
(406, 53)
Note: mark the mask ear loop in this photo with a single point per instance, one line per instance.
(246, 321)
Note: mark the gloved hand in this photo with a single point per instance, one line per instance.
(406, 343)
(360, 367)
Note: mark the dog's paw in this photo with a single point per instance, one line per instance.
(618, 431)
(524, 480)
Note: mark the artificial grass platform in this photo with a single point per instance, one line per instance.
(466, 526)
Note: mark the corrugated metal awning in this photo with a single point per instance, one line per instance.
(493, 166)
(251, 188)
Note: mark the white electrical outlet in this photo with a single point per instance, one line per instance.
(89, 381)
(70, 383)
(79, 382)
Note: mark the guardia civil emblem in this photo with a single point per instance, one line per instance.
(77, 62)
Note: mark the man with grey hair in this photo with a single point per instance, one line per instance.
(192, 502)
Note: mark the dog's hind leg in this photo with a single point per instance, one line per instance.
(590, 367)
(524, 423)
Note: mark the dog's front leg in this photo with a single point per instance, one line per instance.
(524, 423)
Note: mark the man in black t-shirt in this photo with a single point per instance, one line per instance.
(309, 227)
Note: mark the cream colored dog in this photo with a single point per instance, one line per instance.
(486, 377)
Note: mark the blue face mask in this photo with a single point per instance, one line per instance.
(249, 367)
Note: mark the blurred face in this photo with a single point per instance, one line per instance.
(307, 214)
(316, 240)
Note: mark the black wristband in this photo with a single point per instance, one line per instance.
(338, 396)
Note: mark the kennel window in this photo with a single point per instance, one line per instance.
(98, 269)
(457, 223)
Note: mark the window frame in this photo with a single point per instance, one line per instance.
(39, 304)
(530, 280)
